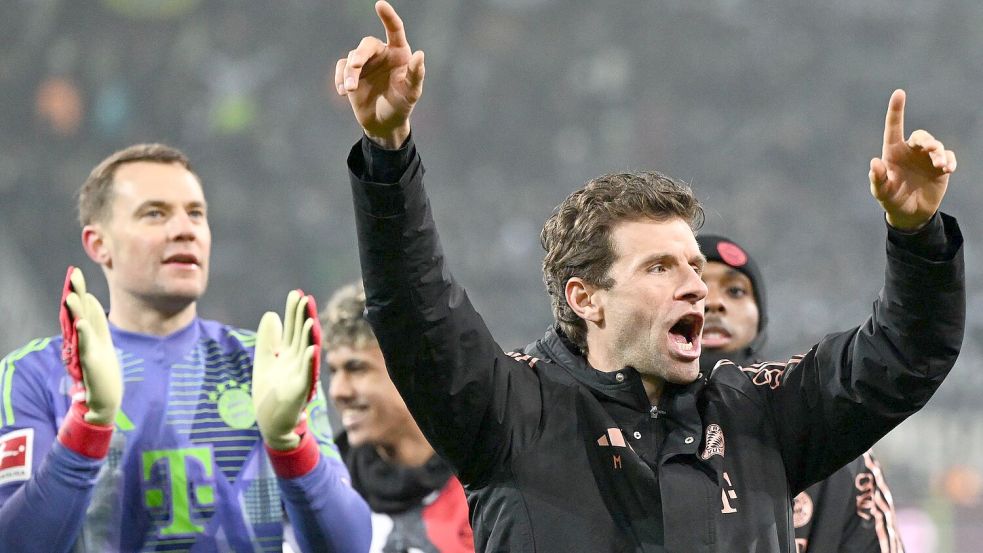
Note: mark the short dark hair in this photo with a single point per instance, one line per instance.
(96, 193)
(577, 236)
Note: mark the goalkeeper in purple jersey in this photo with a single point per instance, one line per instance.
(167, 432)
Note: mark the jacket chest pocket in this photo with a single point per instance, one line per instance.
(691, 502)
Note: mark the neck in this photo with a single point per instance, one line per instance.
(599, 359)
(654, 386)
(410, 449)
(604, 360)
(600, 356)
(133, 315)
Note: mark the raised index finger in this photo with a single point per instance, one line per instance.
(894, 121)
(395, 34)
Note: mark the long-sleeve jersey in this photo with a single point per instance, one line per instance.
(187, 469)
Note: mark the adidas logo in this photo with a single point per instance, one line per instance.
(612, 438)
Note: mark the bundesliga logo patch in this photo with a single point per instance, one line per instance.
(15, 455)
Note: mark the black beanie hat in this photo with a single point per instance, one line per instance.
(726, 251)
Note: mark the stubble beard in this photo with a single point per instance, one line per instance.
(647, 357)
(642, 354)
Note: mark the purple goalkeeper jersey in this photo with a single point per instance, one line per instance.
(187, 469)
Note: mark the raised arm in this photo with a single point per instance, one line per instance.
(853, 387)
(460, 387)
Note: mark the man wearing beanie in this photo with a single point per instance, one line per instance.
(852, 510)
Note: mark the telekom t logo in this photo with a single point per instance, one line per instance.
(176, 466)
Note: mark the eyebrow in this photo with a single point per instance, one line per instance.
(734, 273)
(699, 260)
(161, 203)
(349, 365)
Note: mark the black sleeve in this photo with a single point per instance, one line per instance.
(473, 402)
(836, 401)
(385, 166)
(930, 242)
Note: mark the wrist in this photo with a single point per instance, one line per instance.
(84, 437)
(907, 224)
(283, 442)
(391, 140)
(295, 462)
(100, 417)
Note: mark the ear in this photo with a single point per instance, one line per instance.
(94, 242)
(582, 298)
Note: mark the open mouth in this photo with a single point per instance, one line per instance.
(684, 336)
(715, 335)
(352, 416)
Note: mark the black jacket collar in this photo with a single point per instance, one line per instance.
(389, 488)
(556, 348)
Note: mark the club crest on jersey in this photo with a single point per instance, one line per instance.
(235, 404)
(15, 455)
(714, 442)
(802, 510)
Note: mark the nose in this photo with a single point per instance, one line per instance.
(714, 301)
(339, 387)
(182, 227)
(692, 289)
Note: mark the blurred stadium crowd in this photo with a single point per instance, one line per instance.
(769, 108)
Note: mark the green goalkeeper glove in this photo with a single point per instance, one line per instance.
(101, 374)
(90, 359)
(282, 371)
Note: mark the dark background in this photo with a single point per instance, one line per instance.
(771, 109)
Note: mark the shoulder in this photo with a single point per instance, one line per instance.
(38, 355)
(542, 371)
(764, 375)
(754, 382)
(31, 369)
(866, 464)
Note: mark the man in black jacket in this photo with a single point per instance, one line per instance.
(852, 511)
(615, 441)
